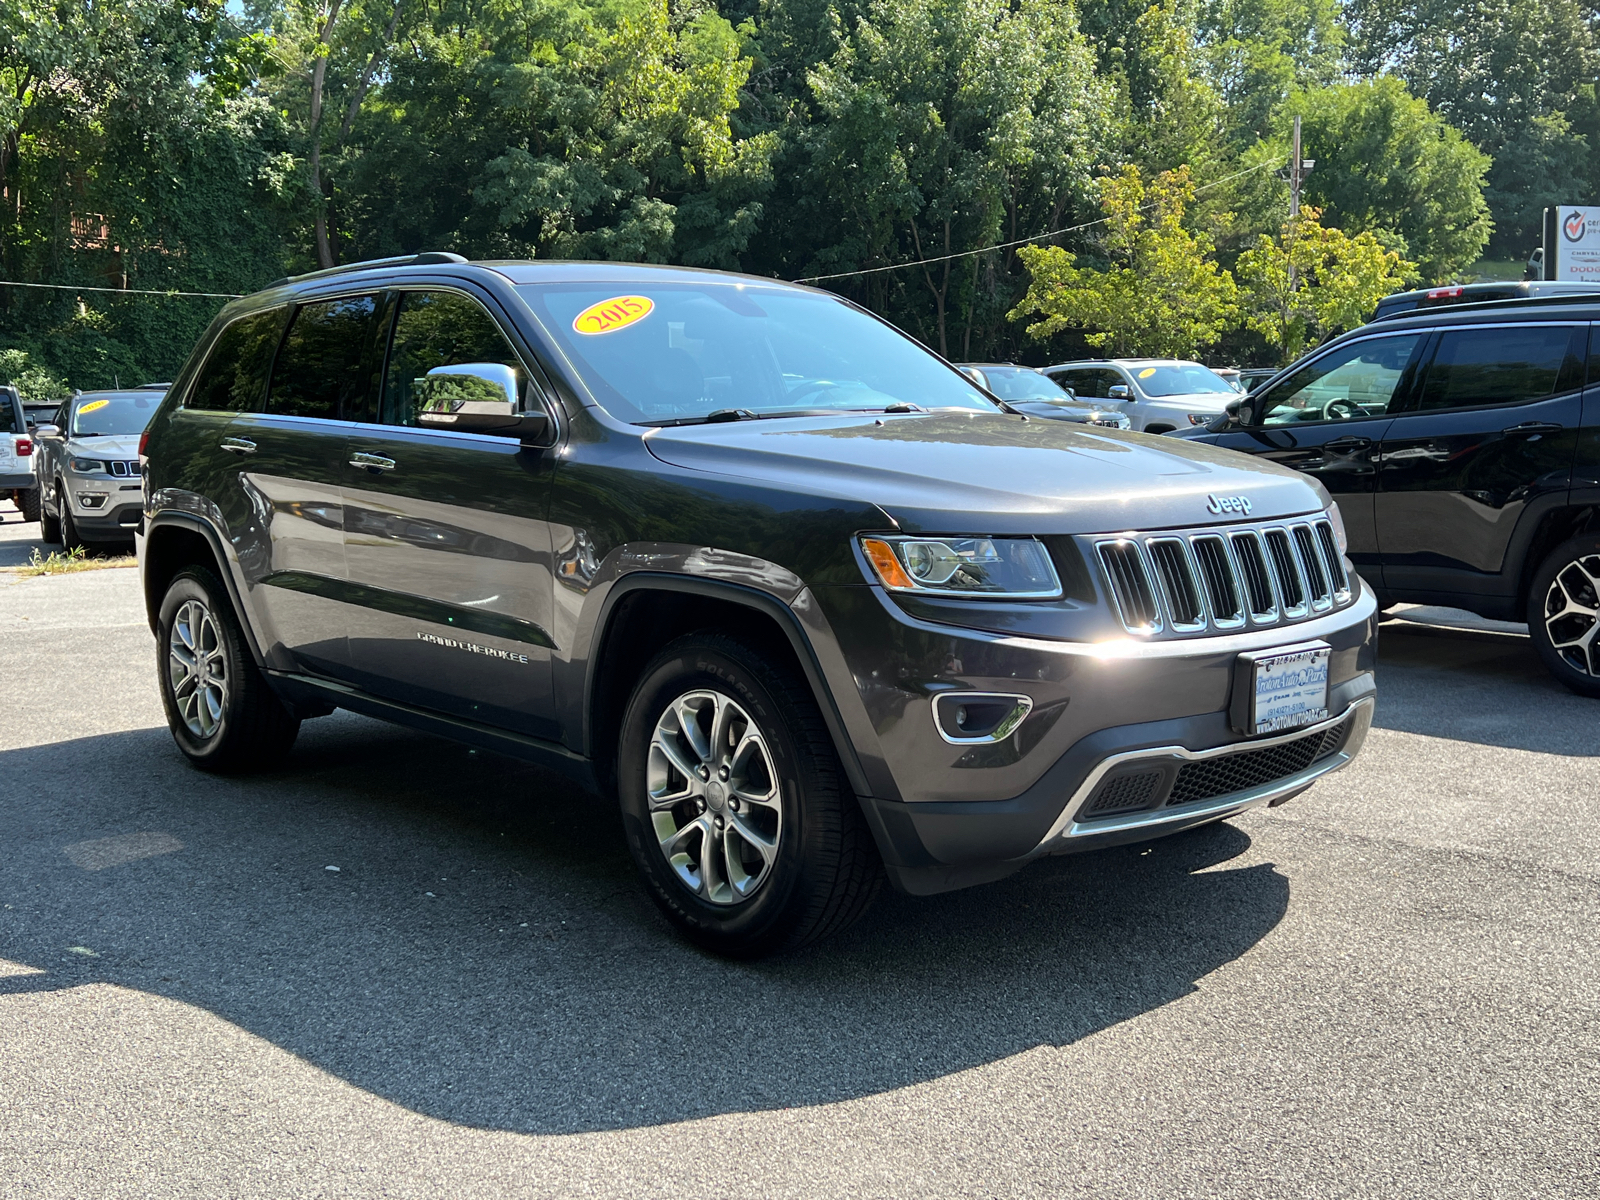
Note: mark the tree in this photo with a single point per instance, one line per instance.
(1390, 166)
(1511, 75)
(1163, 294)
(1312, 281)
(937, 128)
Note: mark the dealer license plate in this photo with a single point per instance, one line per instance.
(1291, 690)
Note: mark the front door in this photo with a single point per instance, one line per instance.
(291, 467)
(1328, 419)
(1492, 429)
(447, 540)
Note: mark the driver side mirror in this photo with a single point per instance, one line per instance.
(475, 398)
(1118, 391)
(1239, 412)
(46, 431)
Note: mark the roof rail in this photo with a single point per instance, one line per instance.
(1438, 310)
(424, 259)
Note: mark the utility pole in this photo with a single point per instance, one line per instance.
(1294, 174)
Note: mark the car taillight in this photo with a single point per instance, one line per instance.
(1446, 293)
(144, 440)
(24, 447)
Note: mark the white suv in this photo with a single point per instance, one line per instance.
(16, 455)
(1158, 394)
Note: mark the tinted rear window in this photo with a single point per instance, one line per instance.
(1507, 365)
(324, 368)
(234, 378)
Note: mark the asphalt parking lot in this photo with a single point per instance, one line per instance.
(1386, 988)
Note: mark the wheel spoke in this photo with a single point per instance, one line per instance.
(710, 846)
(765, 846)
(689, 722)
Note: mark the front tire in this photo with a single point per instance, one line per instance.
(70, 539)
(734, 804)
(221, 712)
(1564, 613)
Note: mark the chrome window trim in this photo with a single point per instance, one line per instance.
(1065, 829)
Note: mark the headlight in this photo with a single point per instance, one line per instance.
(987, 568)
(1203, 418)
(86, 466)
(1337, 519)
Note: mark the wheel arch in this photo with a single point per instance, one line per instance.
(644, 611)
(173, 541)
(1553, 528)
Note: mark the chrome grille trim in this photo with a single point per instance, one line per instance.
(1224, 579)
(1180, 584)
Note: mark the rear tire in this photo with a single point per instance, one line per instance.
(734, 804)
(1564, 613)
(28, 502)
(223, 715)
(49, 525)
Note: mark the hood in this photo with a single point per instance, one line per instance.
(959, 472)
(121, 445)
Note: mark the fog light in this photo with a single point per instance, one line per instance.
(964, 717)
(92, 499)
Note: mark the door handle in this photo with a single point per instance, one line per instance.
(238, 445)
(372, 462)
(1531, 428)
(1340, 445)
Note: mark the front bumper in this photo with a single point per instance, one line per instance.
(947, 816)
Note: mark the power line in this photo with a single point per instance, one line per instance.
(1038, 237)
(69, 287)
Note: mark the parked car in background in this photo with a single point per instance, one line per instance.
(16, 455)
(88, 468)
(1477, 293)
(1230, 376)
(1463, 447)
(814, 608)
(1158, 394)
(1029, 391)
(1250, 378)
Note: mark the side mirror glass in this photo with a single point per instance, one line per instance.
(976, 376)
(1072, 393)
(475, 398)
(47, 431)
(1118, 391)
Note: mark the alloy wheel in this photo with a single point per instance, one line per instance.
(714, 797)
(197, 668)
(1572, 613)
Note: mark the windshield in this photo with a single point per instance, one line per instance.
(1180, 379)
(111, 415)
(1022, 383)
(679, 352)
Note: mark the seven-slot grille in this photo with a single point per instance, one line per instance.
(1220, 580)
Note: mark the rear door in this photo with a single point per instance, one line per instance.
(1329, 418)
(290, 511)
(1492, 429)
(446, 537)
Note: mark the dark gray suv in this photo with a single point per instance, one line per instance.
(816, 610)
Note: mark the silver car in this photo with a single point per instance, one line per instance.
(90, 487)
(1158, 394)
(1035, 394)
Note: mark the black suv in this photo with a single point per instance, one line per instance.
(1463, 446)
(816, 609)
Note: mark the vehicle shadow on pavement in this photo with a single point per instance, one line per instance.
(535, 988)
(1489, 688)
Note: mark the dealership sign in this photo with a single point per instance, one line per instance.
(1578, 243)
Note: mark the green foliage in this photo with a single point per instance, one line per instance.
(35, 383)
(1390, 166)
(1313, 281)
(1163, 295)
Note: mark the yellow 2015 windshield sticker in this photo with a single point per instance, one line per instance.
(92, 406)
(1147, 372)
(611, 315)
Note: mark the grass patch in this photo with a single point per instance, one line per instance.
(59, 563)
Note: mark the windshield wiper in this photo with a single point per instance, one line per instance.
(740, 414)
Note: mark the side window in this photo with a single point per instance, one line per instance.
(234, 378)
(438, 329)
(1086, 384)
(1505, 365)
(10, 416)
(325, 367)
(1356, 380)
